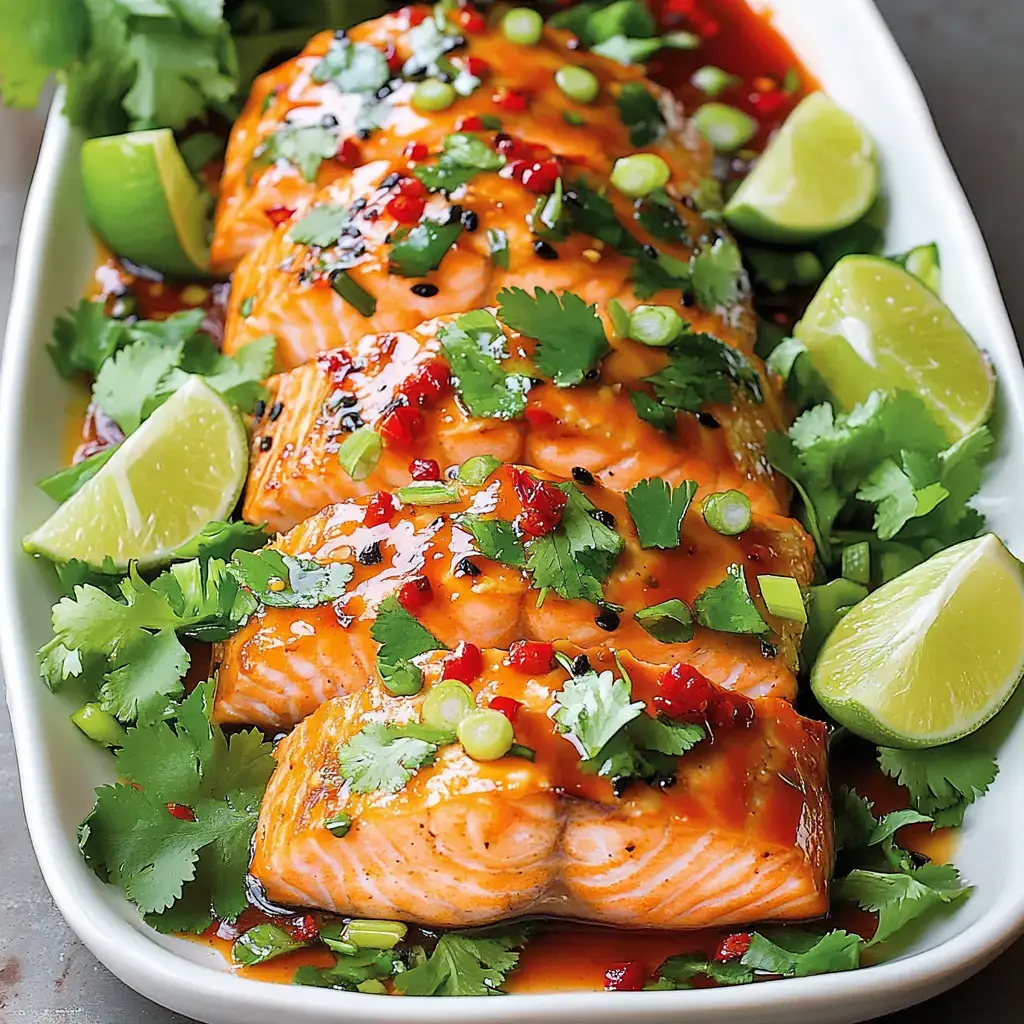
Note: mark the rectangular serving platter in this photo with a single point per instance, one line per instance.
(847, 46)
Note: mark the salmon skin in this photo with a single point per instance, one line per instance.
(743, 833)
(285, 662)
(256, 189)
(295, 470)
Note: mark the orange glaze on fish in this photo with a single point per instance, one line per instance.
(289, 95)
(744, 834)
(295, 471)
(286, 662)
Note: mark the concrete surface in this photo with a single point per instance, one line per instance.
(967, 56)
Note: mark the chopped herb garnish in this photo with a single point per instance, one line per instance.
(304, 146)
(657, 215)
(321, 226)
(462, 158)
(352, 67)
(661, 417)
(475, 471)
(465, 964)
(222, 540)
(423, 248)
(498, 242)
(353, 293)
(494, 538)
(245, 309)
(717, 274)
(383, 758)
(282, 581)
(671, 622)
(401, 638)
(728, 607)
(428, 492)
(592, 708)
(641, 114)
(657, 509)
(65, 482)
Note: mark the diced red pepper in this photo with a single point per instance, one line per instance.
(768, 103)
(513, 148)
(181, 812)
(465, 663)
(349, 154)
(430, 381)
(279, 214)
(469, 124)
(471, 20)
(303, 928)
(415, 594)
(627, 976)
(684, 693)
(730, 710)
(379, 509)
(424, 469)
(406, 209)
(538, 417)
(391, 55)
(413, 188)
(508, 706)
(510, 100)
(417, 151)
(542, 504)
(413, 16)
(531, 657)
(401, 426)
(732, 947)
(336, 362)
(477, 66)
(540, 177)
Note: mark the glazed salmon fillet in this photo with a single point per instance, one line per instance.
(285, 662)
(294, 467)
(309, 103)
(737, 829)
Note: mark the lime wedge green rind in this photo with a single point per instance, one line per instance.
(818, 175)
(931, 656)
(144, 203)
(184, 467)
(874, 326)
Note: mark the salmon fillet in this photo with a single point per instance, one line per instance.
(254, 188)
(294, 470)
(744, 834)
(285, 662)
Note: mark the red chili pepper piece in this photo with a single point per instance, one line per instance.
(395, 62)
(181, 812)
(465, 663)
(424, 469)
(508, 706)
(538, 417)
(336, 362)
(541, 177)
(732, 947)
(379, 509)
(628, 976)
(413, 16)
(472, 21)
(303, 928)
(406, 209)
(513, 148)
(531, 657)
(477, 66)
(413, 187)
(684, 693)
(510, 100)
(279, 214)
(401, 426)
(469, 124)
(768, 103)
(417, 151)
(542, 504)
(415, 594)
(349, 154)
(430, 381)
(730, 710)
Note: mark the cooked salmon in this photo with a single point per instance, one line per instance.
(260, 185)
(286, 662)
(743, 834)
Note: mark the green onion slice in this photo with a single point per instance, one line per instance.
(360, 452)
(428, 492)
(727, 512)
(782, 597)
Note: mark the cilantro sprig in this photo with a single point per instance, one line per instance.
(462, 158)
(420, 250)
(657, 509)
(383, 758)
(401, 638)
(467, 963)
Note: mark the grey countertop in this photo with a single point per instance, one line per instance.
(967, 56)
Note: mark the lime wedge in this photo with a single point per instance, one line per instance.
(818, 174)
(143, 202)
(932, 655)
(184, 467)
(874, 326)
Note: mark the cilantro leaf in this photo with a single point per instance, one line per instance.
(146, 677)
(85, 338)
(401, 637)
(303, 146)
(898, 501)
(592, 708)
(474, 345)
(658, 509)
(131, 839)
(943, 781)
(422, 249)
(728, 607)
(640, 113)
(462, 157)
(222, 540)
(717, 274)
(569, 334)
(678, 971)
(798, 955)
(65, 482)
(383, 758)
(495, 539)
(128, 383)
(659, 416)
(671, 621)
(307, 583)
(350, 969)
(352, 67)
(465, 964)
(321, 226)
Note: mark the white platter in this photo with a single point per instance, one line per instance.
(847, 46)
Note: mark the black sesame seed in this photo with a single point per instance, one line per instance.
(580, 665)
(768, 650)
(359, 204)
(471, 220)
(593, 374)
(604, 518)
(387, 238)
(363, 134)
(445, 77)
(544, 250)
(425, 290)
(454, 214)
(350, 422)
(275, 411)
(351, 230)
(572, 198)
(259, 410)
(651, 251)
(536, 382)
(705, 419)
(620, 785)
(582, 476)
(340, 34)
(392, 179)
(663, 781)
(372, 214)
(266, 443)
(370, 555)
(607, 619)
(467, 567)
(328, 121)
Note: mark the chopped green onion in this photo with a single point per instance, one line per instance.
(497, 242)
(428, 492)
(432, 95)
(374, 934)
(577, 83)
(360, 452)
(807, 268)
(526, 753)
(71, 479)
(570, 117)
(261, 943)
(619, 317)
(857, 563)
(791, 82)
(725, 127)
(782, 597)
(331, 936)
(372, 987)
(353, 293)
(486, 735)
(657, 326)
(682, 40)
(727, 512)
(99, 725)
(712, 81)
(640, 174)
(671, 622)
(339, 824)
(522, 26)
(246, 307)
(476, 470)
(447, 704)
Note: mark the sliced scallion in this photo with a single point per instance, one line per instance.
(712, 81)
(447, 704)
(619, 317)
(857, 563)
(522, 26)
(476, 470)
(577, 83)
(339, 824)
(727, 512)
(432, 95)
(486, 735)
(640, 174)
(364, 934)
(428, 492)
(656, 326)
(725, 127)
(353, 293)
(360, 452)
(782, 597)
(99, 725)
